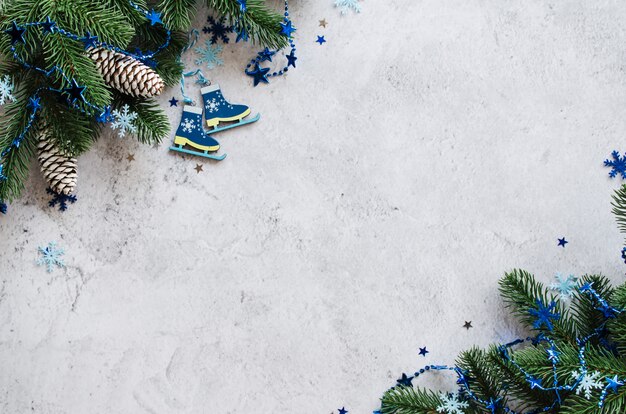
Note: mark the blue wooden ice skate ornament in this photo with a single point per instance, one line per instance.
(191, 134)
(218, 110)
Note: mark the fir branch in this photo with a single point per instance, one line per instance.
(520, 292)
(177, 13)
(70, 56)
(482, 376)
(169, 66)
(72, 131)
(511, 378)
(16, 163)
(617, 326)
(406, 400)
(261, 22)
(619, 207)
(587, 318)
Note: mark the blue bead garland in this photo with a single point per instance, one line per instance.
(259, 73)
(552, 353)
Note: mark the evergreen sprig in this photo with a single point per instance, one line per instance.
(115, 22)
(501, 374)
(261, 22)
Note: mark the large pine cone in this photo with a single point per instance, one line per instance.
(126, 74)
(58, 169)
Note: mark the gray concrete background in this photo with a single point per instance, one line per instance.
(427, 148)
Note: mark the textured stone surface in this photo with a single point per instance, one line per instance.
(428, 147)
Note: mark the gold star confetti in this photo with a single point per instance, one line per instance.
(323, 23)
(198, 168)
(131, 157)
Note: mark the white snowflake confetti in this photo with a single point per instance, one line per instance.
(51, 256)
(346, 5)
(213, 105)
(188, 125)
(124, 121)
(566, 286)
(587, 383)
(6, 90)
(209, 54)
(451, 404)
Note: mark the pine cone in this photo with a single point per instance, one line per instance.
(58, 169)
(126, 74)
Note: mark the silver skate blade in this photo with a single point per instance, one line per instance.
(199, 154)
(235, 125)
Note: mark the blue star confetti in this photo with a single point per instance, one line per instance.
(423, 351)
(544, 315)
(343, 410)
(321, 40)
(173, 102)
(617, 164)
(562, 242)
(624, 254)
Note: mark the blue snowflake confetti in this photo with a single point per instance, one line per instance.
(617, 164)
(209, 54)
(544, 315)
(60, 199)
(346, 5)
(566, 286)
(51, 256)
(218, 29)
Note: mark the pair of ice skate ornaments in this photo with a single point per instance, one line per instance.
(191, 138)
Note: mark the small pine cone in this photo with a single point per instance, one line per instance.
(126, 74)
(58, 169)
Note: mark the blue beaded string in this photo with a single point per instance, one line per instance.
(200, 78)
(75, 91)
(266, 54)
(534, 382)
